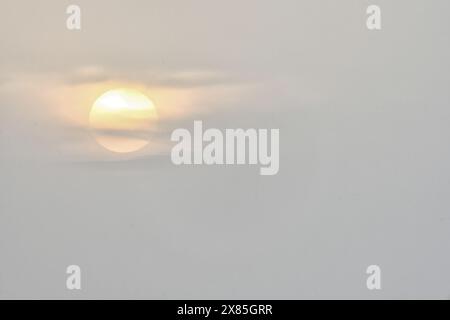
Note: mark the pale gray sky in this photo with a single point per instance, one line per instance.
(364, 158)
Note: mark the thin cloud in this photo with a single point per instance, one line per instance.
(157, 78)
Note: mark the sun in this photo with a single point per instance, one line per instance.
(122, 120)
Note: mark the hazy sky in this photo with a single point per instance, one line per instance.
(364, 157)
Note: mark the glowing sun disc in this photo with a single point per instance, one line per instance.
(121, 120)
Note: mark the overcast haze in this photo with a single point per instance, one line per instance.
(364, 150)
